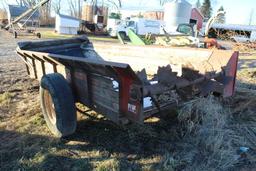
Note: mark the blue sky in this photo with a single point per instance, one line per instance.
(237, 11)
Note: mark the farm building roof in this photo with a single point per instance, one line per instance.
(68, 17)
(235, 27)
(16, 10)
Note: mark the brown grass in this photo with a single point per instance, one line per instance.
(206, 135)
(205, 138)
(205, 122)
(5, 99)
(213, 130)
(108, 165)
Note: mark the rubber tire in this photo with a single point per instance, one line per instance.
(123, 35)
(38, 35)
(64, 104)
(15, 35)
(233, 40)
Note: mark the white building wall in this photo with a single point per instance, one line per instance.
(253, 36)
(66, 25)
(68, 30)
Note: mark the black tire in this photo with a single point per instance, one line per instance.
(39, 35)
(233, 40)
(15, 34)
(123, 35)
(58, 105)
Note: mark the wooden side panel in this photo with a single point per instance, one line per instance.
(95, 91)
(104, 97)
(80, 86)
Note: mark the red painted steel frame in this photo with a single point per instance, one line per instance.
(231, 71)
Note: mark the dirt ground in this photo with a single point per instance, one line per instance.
(227, 127)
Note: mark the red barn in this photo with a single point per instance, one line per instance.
(197, 18)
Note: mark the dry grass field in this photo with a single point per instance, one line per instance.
(206, 134)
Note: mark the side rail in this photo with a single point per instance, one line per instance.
(112, 89)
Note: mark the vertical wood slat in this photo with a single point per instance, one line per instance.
(25, 58)
(52, 62)
(41, 63)
(32, 61)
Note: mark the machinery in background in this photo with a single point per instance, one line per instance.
(24, 20)
(94, 18)
(185, 35)
(140, 26)
(212, 42)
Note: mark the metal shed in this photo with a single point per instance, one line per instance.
(66, 24)
(235, 27)
(249, 30)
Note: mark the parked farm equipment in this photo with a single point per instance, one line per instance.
(123, 82)
(18, 26)
(185, 35)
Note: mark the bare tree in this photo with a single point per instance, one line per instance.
(45, 13)
(162, 2)
(56, 6)
(3, 4)
(117, 4)
(28, 3)
(75, 8)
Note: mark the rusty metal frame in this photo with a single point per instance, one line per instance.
(82, 74)
(121, 72)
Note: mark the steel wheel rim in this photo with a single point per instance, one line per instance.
(50, 108)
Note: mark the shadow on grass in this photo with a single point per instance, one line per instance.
(136, 139)
(95, 142)
(35, 152)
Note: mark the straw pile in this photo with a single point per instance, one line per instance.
(213, 130)
(245, 47)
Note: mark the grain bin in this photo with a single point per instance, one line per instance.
(87, 13)
(176, 12)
